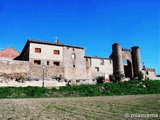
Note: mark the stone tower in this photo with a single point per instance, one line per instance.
(136, 60)
(119, 55)
(117, 59)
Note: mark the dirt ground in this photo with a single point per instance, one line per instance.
(80, 108)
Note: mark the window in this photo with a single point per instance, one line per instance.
(73, 49)
(37, 50)
(56, 52)
(74, 66)
(73, 56)
(56, 63)
(47, 62)
(97, 68)
(147, 72)
(37, 62)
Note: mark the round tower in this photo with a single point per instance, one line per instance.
(117, 58)
(136, 59)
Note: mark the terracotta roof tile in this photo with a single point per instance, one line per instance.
(9, 52)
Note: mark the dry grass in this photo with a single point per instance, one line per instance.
(95, 108)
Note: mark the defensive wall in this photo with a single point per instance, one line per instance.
(54, 60)
(12, 71)
(8, 66)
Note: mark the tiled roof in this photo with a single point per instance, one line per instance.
(9, 52)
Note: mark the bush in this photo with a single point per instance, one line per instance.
(112, 78)
(116, 77)
(140, 75)
(100, 79)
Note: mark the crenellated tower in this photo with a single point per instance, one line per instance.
(132, 57)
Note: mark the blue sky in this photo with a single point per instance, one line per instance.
(92, 24)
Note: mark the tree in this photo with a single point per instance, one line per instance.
(140, 75)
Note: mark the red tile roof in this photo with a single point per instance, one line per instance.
(9, 53)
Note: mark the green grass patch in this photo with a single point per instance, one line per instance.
(132, 87)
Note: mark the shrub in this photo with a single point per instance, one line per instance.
(116, 77)
(140, 75)
(100, 79)
(112, 78)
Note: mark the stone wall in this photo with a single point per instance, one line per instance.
(21, 67)
(149, 73)
(100, 67)
(74, 63)
(50, 72)
(13, 66)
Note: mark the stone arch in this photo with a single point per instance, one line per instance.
(128, 68)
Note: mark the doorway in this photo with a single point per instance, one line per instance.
(127, 68)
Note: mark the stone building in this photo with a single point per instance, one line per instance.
(96, 66)
(128, 62)
(63, 60)
(70, 62)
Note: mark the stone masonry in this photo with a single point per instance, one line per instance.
(70, 62)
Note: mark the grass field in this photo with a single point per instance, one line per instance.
(80, 108)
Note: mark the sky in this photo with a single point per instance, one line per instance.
(92, 24)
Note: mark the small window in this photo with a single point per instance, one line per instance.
(56, 63)
(56, 52)
(37, 62)
(74, 66)
(73, 49)
(97, 68)
(47, 62)
(73, 56)
(86, 59)
(37, 50)
(147, 72)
